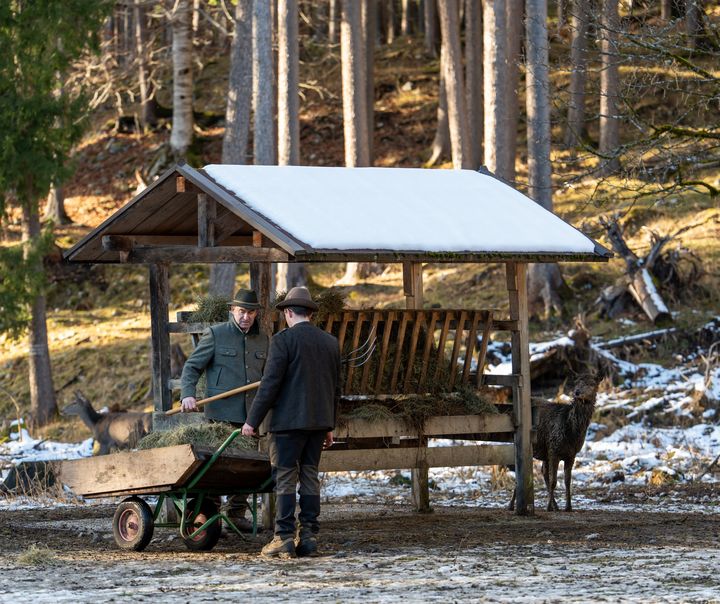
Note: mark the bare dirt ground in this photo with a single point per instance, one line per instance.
(634, 546)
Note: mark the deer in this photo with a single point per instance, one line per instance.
(115, 430)
(560, 434)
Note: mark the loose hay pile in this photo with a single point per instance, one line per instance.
(204, 435)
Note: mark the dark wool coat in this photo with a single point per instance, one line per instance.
(230, 359)
(301, 383)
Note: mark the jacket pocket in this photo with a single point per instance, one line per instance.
(227, 352)
(260, 355)
(217, 377)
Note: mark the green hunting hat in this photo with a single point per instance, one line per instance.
(245, 298)
(298, 296)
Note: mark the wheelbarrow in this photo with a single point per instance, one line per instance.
(191, 477)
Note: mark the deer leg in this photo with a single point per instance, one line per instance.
(567, 467)
(553, 464)
(511, 507)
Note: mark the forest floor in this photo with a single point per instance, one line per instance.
(628, 544)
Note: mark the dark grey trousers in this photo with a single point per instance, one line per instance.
(295, 457)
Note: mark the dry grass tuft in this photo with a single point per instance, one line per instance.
(206, 435)
(37, 555)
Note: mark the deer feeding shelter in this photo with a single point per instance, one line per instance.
(267, 214)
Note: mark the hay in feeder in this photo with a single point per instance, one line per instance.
(210, 309)
(330, 301)
(210, 435)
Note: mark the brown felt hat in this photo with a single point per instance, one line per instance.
(298, 296)
(245, 298)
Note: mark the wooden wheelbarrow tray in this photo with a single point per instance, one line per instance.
(189, 476)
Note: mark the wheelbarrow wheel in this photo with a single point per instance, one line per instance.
(133, 524)
(208, 538)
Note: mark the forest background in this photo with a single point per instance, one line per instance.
(605, 112)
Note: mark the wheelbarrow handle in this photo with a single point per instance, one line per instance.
(205, 401)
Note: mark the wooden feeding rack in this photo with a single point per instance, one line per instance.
(240, 214)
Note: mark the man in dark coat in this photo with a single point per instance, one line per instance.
(301, 390)
(231, 354)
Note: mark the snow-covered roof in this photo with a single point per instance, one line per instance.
(323, 213)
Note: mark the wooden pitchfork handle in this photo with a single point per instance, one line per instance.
(205, 401)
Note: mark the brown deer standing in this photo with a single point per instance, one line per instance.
(111, 430)
(560, 435)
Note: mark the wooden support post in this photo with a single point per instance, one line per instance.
(160, 336)
(262, 282)
(206, 221)
(413, 288)
(517, 293)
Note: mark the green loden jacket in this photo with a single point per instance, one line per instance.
(230, 359)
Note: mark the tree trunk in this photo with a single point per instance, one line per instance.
(441, 142)
(609, 88)
(354, 86)
(561, 14)
(389, 11)
(147, 108)
(405, 18)
(575, 131)
(514, 23)
(431, 29)
(263, 77)
(222, 280)
(474, 78)
(693, 23)
(43, 405)
(666, 10)
(494, 72)
(288, 70)
(451, 65)
(290, 275)
(369, 27)
(237, 112)
(182, 126)
(55, 207)
(538, 104)
(333, 15)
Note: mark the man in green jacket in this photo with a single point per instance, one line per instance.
(231, 354)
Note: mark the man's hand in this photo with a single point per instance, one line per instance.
(248, 430)
(329, 440)
(189, 403)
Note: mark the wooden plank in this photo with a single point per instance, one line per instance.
(440, 361)
(116, 243)
(470, 345)
(359, 320)
(437, 426)
(414, 457)
(257, 239)
(501, 380)
(429, 341)
(366, 367)
(482, 353)
(456, 347)
(387, 327)
(206, 221)
(193, 255)
(346, 316)
(329, 323)
(398, 352)
(516, 274)
(160, 336)
(146, 470)
(419, 320)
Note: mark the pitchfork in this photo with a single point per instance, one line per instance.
(354, 358)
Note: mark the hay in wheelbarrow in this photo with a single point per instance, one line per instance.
(204, 435)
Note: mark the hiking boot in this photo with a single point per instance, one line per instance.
(306, 546)
(279, 547)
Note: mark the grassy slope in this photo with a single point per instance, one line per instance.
(99, 330)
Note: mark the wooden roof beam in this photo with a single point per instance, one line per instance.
(181, 254)
(207, 211)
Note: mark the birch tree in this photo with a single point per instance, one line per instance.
(182, 56)
(430, 28)
(494, 68)
(451, 65)
(289, 275)
(354, 87)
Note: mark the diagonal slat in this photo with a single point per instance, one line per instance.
(429, 341)
(419, 321)
(470, 346)
(459, 329)
(482, 353)
(389, 320)
(398, 352)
